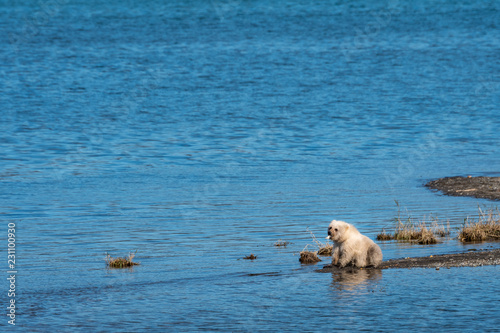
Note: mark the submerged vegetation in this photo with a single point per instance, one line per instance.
(121, 262)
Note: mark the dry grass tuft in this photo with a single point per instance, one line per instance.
(409, 230)
(486, 228)
(121, 262)
(426, 236)
(250, 257)
(440, 230)
(311, 257)
(308, 257)
(324, 249)
(383, 236)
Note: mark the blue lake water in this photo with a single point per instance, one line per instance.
(199, 132)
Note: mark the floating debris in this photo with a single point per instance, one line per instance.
(281, 243)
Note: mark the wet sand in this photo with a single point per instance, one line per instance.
(477, 187)
(467, 259)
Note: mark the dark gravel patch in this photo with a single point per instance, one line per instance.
(468, 259)
(478, 187)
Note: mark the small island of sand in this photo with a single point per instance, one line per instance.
(477, 187)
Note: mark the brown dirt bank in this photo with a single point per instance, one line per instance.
(468, 259)
(478, 187)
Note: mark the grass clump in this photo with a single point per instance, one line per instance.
(121, 262)
(324, 249)
(487, 227)
(308, 257)
(383, 236)
(418, 233)
(440, 230)
(311, 257)
(251, 257)
(412, 232)
(409, 230)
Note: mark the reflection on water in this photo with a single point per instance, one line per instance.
(351, 278)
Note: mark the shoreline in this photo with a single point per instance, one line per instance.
(467, 259)
(478, 187)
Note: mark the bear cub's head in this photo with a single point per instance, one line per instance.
(336, 230)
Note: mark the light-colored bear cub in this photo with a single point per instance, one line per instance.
(351, 247)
